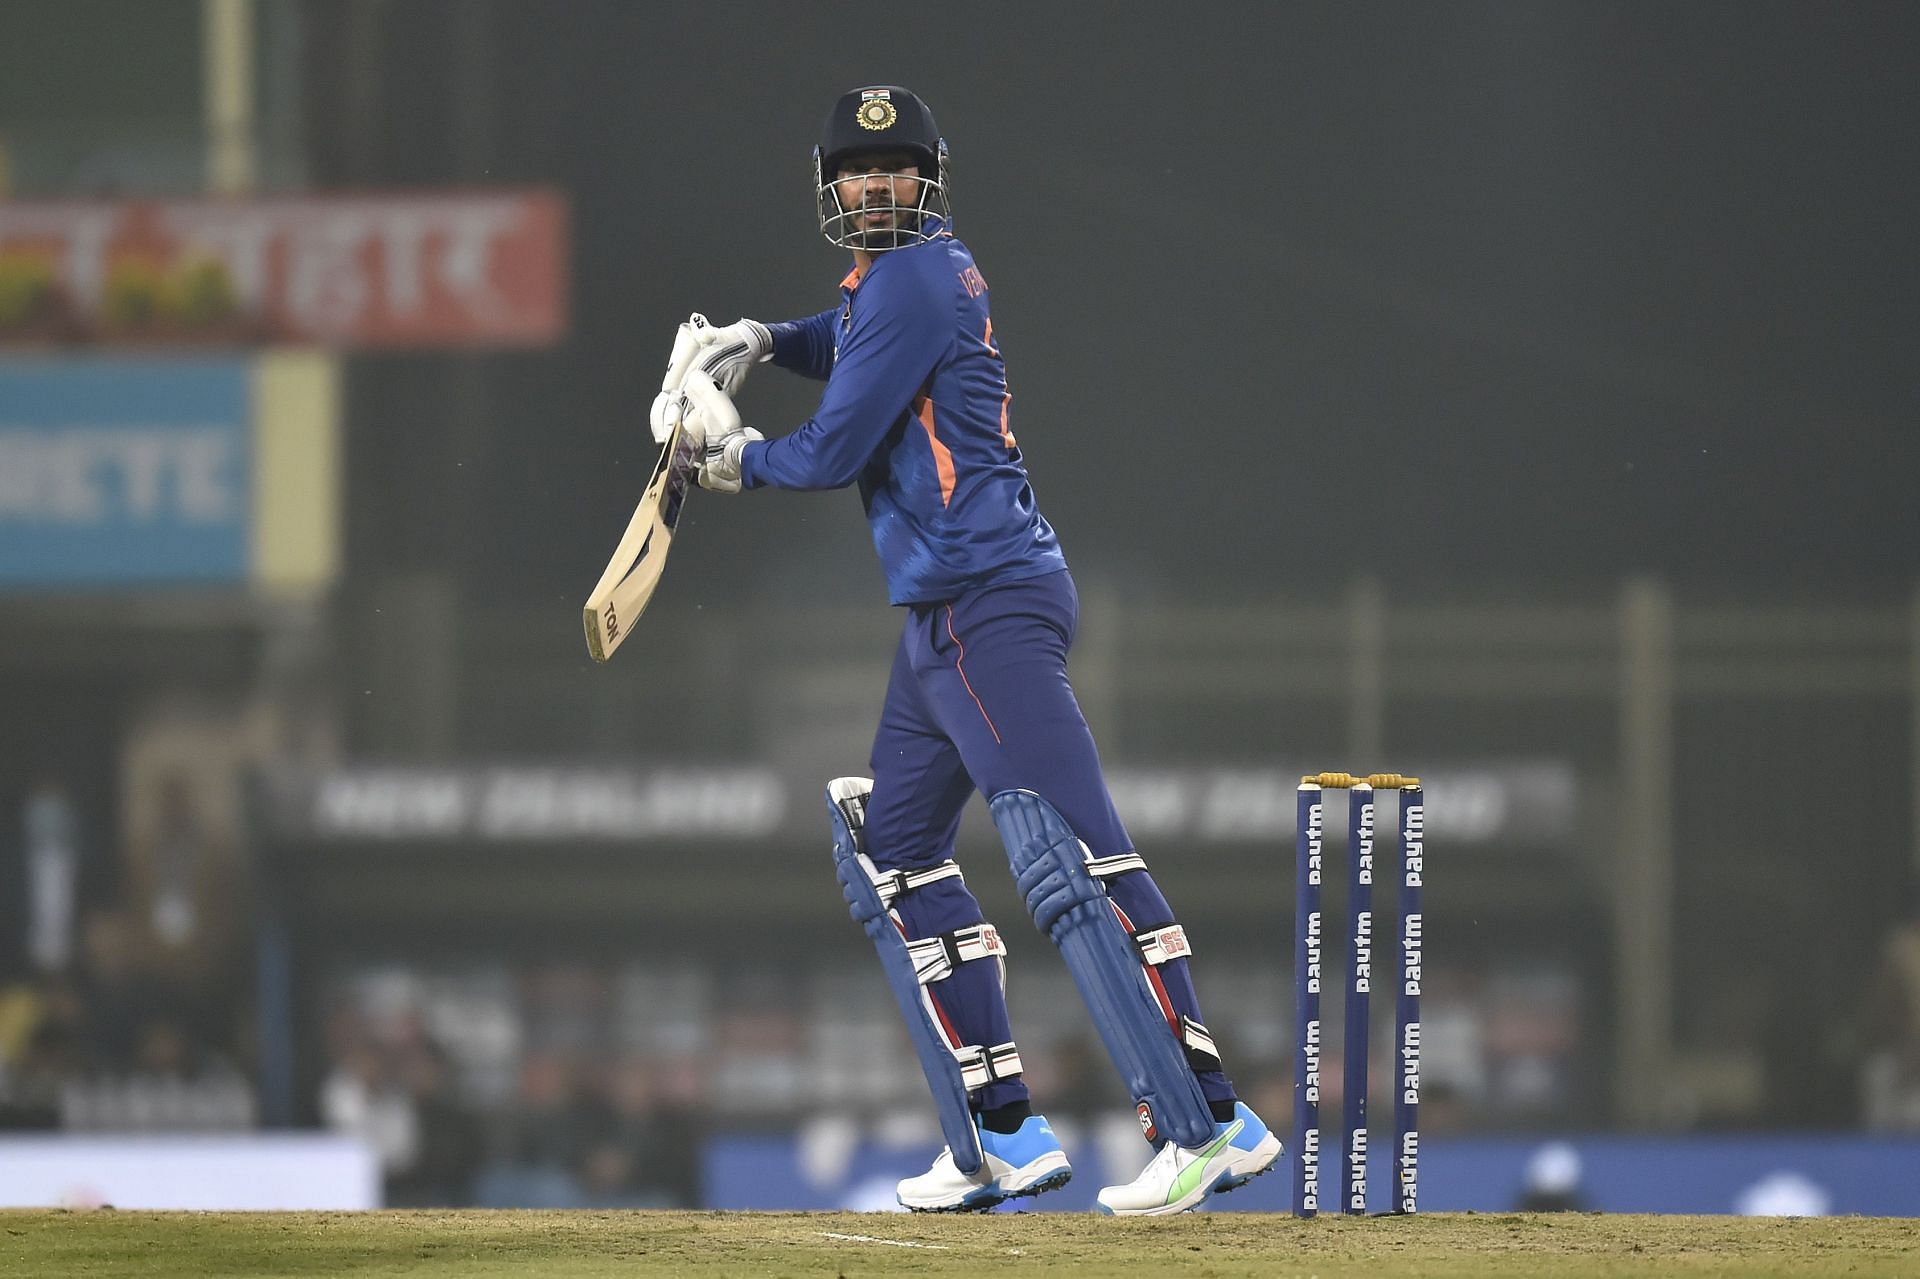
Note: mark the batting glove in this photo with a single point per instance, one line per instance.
(712, 414)
(728, 354)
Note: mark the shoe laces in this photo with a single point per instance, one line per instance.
(1168, 1154)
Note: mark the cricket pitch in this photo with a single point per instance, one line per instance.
(106, 1243)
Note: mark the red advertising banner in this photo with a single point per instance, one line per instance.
(477, 268)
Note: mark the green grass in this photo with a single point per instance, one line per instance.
(1204, 1246)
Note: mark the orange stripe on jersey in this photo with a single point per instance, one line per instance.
(942, 455)
(853, 278)
(1006, 396)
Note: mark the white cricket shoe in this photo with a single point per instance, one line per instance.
(1015, 1164)
(1177, 1179)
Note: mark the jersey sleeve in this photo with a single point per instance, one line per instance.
(805, 346)
(895, 340)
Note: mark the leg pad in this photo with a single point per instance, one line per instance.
(1071, 907)
(951, 1073)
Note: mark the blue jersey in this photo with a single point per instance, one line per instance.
(915, 410)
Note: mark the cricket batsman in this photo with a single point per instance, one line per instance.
(917, 412)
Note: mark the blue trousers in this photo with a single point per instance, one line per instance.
(979, 701)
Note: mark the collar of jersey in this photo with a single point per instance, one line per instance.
(853, 277)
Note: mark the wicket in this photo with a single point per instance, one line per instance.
(1307, 922)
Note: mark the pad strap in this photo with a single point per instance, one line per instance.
(1198, 1041)
(895, 884)
(935, 958)
(980, 1066)
(1108, 867)
(1158, 945)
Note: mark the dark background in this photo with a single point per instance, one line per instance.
(1520, 294)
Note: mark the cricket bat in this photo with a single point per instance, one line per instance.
(634, 571)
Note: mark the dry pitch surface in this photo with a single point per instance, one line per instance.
(108, 1243)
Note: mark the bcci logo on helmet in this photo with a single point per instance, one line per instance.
(876, 111)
